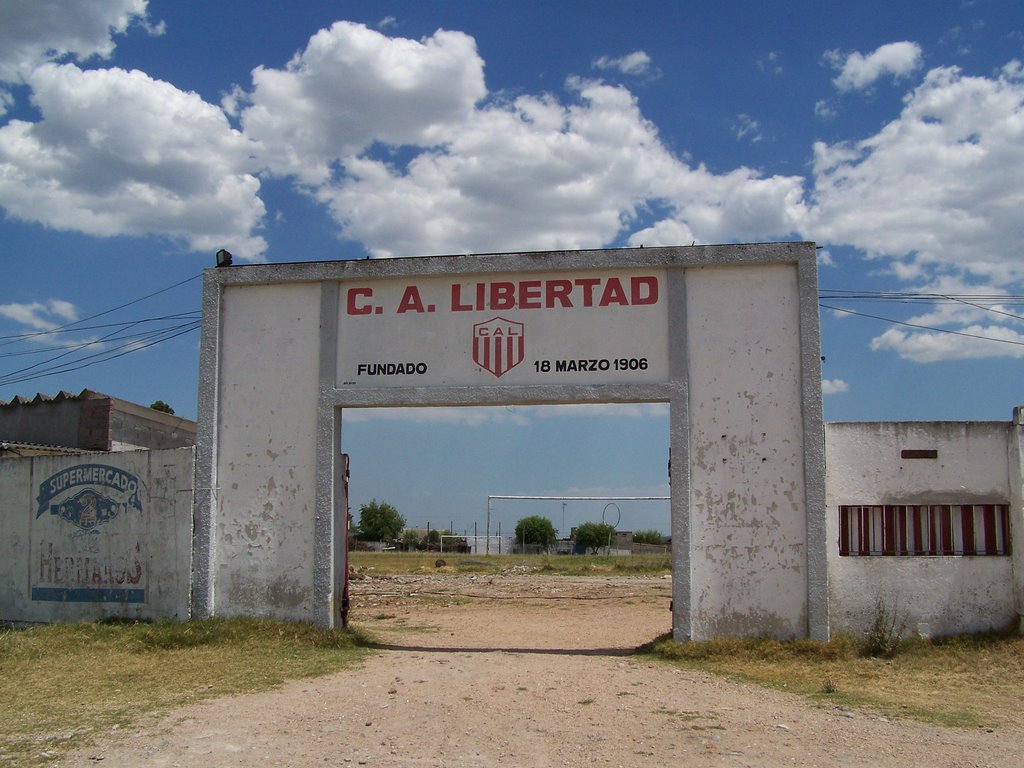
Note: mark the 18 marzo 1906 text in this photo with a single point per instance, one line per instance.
(572, 365)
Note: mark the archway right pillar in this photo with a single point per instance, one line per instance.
(749, 547)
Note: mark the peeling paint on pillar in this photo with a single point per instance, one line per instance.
(267, 454)
(748, 512)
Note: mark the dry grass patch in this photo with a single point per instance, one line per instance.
(61, 684)
(969, 681)
(397, 563)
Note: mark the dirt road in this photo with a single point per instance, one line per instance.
(530, 671)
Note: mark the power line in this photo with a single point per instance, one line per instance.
(68, 351)
(975, 300)
(940, 299)
(117, 335)
(131, 342)
(192, 315)
(919, 326)
(141, 341)
(147, 340)
(69, 348)
(915, 295)
(984, 302)
(991, 309)
(73, 323)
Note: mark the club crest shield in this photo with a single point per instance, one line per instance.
(498, 345)
(87, 509)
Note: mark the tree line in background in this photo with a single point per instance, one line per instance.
(381, 522)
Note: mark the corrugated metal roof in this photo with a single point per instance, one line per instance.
(19, 448)
(85, 394)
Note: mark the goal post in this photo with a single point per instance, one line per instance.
(479, 545)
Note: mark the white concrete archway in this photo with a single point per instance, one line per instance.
(727, 335)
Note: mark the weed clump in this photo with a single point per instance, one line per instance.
(885, 636)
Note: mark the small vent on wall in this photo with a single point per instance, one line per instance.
(919, 453)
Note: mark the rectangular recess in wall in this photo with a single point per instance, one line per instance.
(919, 453)
(867, 530)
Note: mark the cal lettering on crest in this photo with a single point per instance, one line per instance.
(498, 345)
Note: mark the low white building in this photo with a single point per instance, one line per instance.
(925, 518)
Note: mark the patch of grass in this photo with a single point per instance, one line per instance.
(86, 679)
(393, 563)
(585, 702)
(961, 681)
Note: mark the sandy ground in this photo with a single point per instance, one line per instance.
(530, 671)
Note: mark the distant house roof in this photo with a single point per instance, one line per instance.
(89, 421)
(85, 394)
(16, 448)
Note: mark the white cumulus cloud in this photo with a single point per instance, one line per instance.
(538, 174)
(935, 197)
(938, 189)
(973, 342)
(36, 31)
(635, 63)
(44, 319)
(741, 205)
(953, 302)
(40, 316)
(531, 174)
(353, 86)
(119, 153)
(833, 386)
(857, 71)
(485, 173)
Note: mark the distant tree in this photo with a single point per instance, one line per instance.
(379, 521)
(434, 537)
(160, 405)
(536, 530)
(649, 536)
(593, 536)
(410, 538)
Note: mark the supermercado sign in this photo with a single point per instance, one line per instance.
(506, 329)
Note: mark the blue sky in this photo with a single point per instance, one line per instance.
(138, 138)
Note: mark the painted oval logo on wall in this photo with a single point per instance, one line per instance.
(89, 495)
